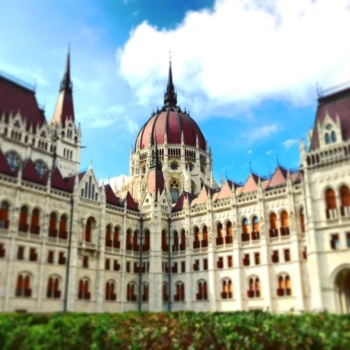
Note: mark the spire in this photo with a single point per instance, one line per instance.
(170, 97)
(155, 178)
(64, 107)
(155, 160)
(66, 83)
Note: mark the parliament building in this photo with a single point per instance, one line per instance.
(171, 238)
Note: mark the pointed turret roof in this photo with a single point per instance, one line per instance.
(64, 108)
(170, 97)
(251, 184)
(334, 103)
(126, 197)
(155, 178)
(18, 97)
(180, 204)
(226, 190)
(279, 177)
(203, 195)
(111, 198)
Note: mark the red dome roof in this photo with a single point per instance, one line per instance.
(170, 120)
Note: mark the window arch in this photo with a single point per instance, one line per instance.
(219, 234)
(245, 230)
(83, 291)
(40, 167)
(23, 219)
(4, 215)
(327, 138)
(128, 241)
(174, 185)
(131, 291)
(255, 228)
(90, 225)
(183, 240)
(202, 290)
(110, 293)
(179, 291)
(53, 291)
(333, 136)
(228, 238)
(284, 223)
(284, 285)
(63, 234)
(204, 242)
(226, 289)
(254, 287)
(35, 221)
(116, 241)
(165, 292)
(165, 245)
(147, 241)
(23, 285)
(302, 219)
(331, 204)
(344, 194)
(135, 243)
(108, 238)
(273, 225)
(175, 246)
(53, 225)
(145, 291)
(13, 160)
(196, 241)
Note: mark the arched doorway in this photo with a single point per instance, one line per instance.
(342, 290)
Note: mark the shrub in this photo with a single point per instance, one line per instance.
(179, 330)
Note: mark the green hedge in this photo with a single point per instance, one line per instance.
(179, 330)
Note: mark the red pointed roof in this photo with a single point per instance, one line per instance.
(181, 201)
(29, 173)
(278, 178)
(17, 98)
(251, 184)
(64, 111)
(203, 195)
(130, 203)
(297, 177)
(335, 105)
(155, 182)
(111, 198)
(265, 183)
(60, 183)
(226, 190)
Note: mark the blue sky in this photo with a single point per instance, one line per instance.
(246, 69)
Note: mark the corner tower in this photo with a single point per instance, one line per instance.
(65, 133)
(183, 152)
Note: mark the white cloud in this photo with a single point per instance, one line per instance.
(269, 152)
(260, 133)
(242, 50)
(289, 143)
(115, 182)
(97, 117)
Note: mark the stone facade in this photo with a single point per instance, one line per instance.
(172, 239)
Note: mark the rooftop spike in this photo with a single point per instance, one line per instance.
(66, 83)
(64, 111)
(170, 97)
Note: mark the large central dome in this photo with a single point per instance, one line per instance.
(169, 124)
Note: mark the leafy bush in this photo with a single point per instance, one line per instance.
(179, 330)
